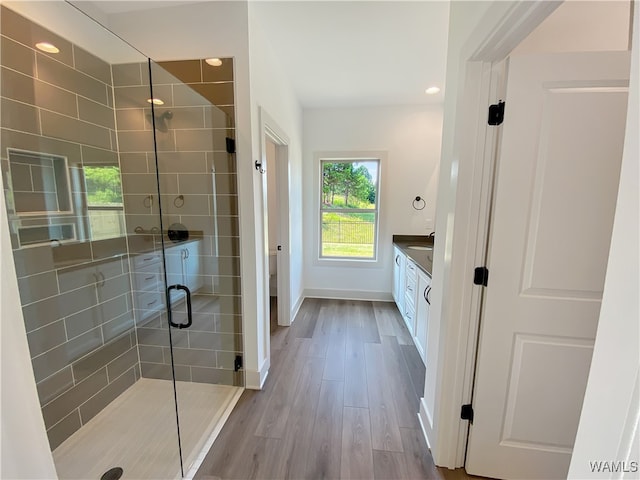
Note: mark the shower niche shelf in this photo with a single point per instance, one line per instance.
(40, 183)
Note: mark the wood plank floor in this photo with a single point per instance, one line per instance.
(340, 401)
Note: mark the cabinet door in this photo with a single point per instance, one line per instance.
(422, 314)
(192, 269)
(395, 286)
(398, 279)
(175, 270)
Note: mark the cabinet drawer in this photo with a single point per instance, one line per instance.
(410, 291)
(148, 302)
(148, 278)
(411, 270)
(410, 318)
(141, 261)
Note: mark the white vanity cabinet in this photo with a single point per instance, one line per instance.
(411, 292)
(182, 267)
(422, 314)
(183, 264)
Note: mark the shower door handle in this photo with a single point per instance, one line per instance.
(186, 290)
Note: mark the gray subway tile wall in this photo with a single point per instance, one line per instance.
(76, 297)
(78, 300)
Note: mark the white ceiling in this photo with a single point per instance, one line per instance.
(344, 53)
(359, 53)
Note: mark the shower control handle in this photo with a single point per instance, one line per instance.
(186, 290)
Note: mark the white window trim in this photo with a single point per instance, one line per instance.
(350, 155)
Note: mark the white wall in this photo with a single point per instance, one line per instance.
(609, 423)
(411, 137)
(24, 447)
(581, 26)
(439, 415)
(272, 92)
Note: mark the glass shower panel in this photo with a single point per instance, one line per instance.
(83, 208)
(193, 116)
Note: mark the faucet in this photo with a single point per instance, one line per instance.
(432, 235)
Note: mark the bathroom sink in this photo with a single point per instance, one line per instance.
(419, 247)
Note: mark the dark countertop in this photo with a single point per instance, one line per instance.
(422, 258)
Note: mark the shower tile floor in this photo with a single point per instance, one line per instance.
(138, 433)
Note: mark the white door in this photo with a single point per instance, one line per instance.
(557, 180)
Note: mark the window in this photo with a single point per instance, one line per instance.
(104, 201)
(349, 208)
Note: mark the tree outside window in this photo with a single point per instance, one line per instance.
(104, 201)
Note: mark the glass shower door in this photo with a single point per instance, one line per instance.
(193, 118)
(80, 181)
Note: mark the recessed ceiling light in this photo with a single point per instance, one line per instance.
(47, 47)
(432, 90)
(155, 101)
(214, 62)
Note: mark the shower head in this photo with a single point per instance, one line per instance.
(160, 120)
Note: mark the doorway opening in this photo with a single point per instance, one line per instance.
(276, 227)
(273, 218)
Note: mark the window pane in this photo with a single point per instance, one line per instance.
(349, 185)
(348, 234)
(106, 224)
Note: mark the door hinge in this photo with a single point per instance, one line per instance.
(496, 113)
(237, 364)
(481, 276)
(230, 144)
(466, 413)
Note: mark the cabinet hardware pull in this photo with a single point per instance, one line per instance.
(149, 278)
(151, 303)
(397, 258)
(427, 295)
(424, 294)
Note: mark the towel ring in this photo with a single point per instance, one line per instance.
(179, 201)
(419, 203)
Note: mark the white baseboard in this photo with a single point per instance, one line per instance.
(254, 379)
(426, 423)
(296, 308)
(347, 294)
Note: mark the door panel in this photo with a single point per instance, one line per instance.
(556, 186)
(573, 170)
(561, 359)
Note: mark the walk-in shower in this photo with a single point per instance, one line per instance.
(120, 184)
